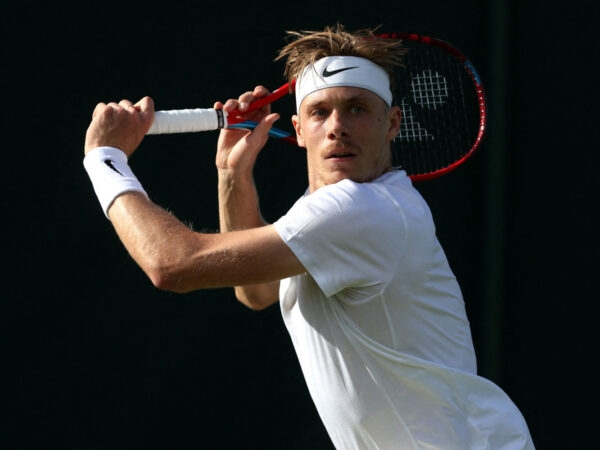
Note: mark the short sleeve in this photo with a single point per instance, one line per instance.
(346, 235)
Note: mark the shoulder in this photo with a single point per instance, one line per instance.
(379, 205)
(393, 192)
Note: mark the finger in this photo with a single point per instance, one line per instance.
(99, 107)
(113, 105)
(260, 91)
(146, 109)
(248, 97)
(231, 105)
(244, 101)
(262, 129)
(146, 104)
(126, 104)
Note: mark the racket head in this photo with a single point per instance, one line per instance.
(443, 107)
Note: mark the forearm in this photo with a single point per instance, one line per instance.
(239, 209)
(165, 249)
(239, 206)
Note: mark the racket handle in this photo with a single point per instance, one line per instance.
(188, 121)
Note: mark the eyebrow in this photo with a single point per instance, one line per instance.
(360, 97)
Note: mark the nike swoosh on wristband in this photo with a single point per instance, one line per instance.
(328, 73)
(109, 163)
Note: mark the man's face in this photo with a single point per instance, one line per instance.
(346, 132)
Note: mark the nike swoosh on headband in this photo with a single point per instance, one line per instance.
(328, 73)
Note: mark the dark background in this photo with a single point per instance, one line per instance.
(94, 357)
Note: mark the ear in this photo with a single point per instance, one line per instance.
(395, 120)
(299, 137)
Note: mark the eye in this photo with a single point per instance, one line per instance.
(357, 109)
(318, 112)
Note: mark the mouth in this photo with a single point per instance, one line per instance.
(339, 153)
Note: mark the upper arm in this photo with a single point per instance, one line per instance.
(238, 258)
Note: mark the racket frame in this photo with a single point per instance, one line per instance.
(479, 92)
(235, 120)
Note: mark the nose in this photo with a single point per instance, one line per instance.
(336, 125)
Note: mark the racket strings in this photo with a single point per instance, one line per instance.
(429, 89)
(411, 129)
(438, 126)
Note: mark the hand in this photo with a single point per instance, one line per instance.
(121, 125)
(238, 149)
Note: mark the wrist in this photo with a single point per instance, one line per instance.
(231, 179)
(110, 175)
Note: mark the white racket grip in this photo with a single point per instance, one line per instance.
(188, 121)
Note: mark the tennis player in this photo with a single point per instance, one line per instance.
(373, 309)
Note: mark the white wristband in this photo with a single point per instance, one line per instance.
(110, 174)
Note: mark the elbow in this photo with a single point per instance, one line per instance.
(162, 281)
(168, 279)
(253, 301)
(254, 306)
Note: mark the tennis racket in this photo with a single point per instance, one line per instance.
(438, 89)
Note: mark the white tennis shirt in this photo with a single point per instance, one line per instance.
(379, 325)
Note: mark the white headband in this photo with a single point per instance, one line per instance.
(350, 71)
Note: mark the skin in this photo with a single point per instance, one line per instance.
(346, 132)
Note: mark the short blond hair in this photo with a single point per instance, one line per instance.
(307, 47)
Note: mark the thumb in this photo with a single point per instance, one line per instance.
(264, 126)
